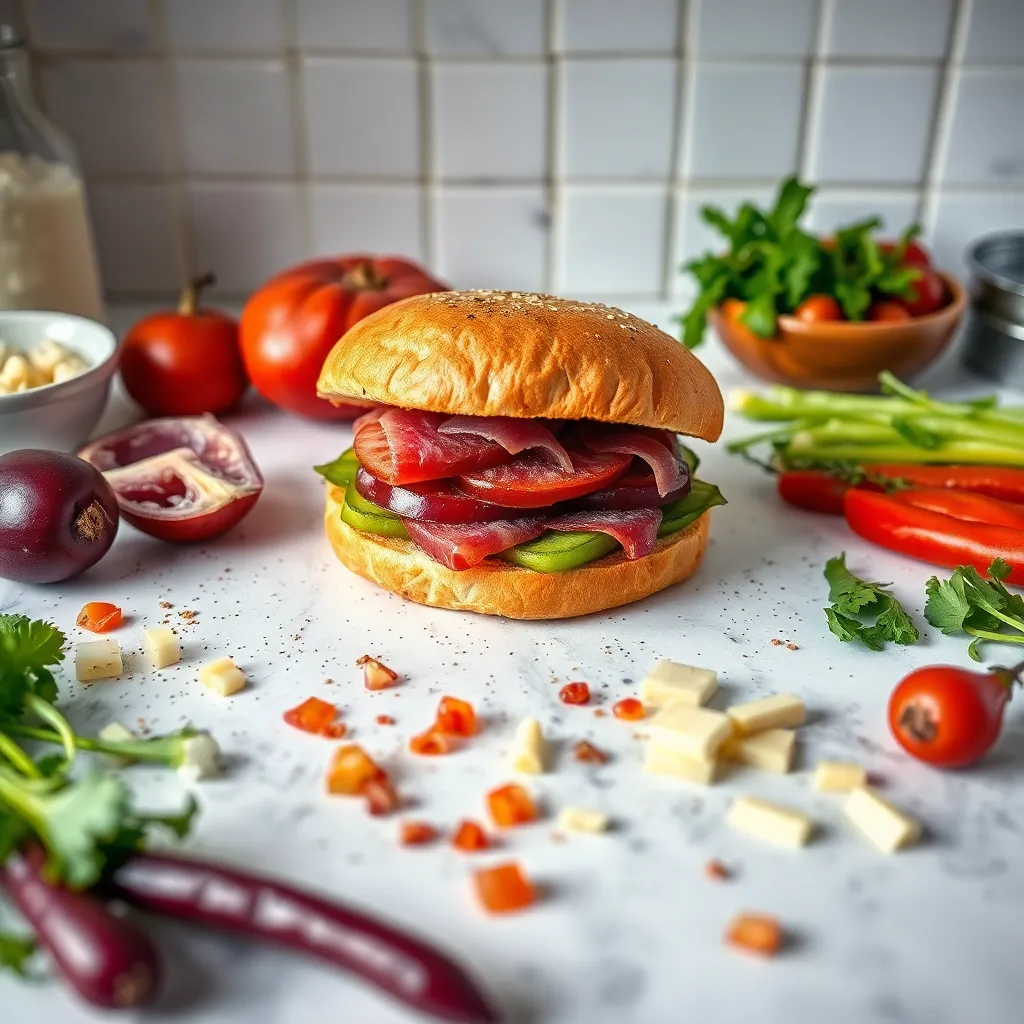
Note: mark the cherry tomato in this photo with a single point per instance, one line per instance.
(949, 716)
(914, 256)
(733, 308)
(888, 310)
(929, 294)
(186, 362)
(818, 308)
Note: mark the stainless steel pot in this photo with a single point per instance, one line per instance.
(994, 344)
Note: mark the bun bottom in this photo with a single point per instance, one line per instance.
(496, 588)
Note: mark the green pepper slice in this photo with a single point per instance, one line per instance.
(364, 515)
(342, 471)
(682, 513)
(556, 552)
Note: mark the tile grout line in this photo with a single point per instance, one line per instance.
(675, 200)
(810, 129)
(297, 109)
(428, 179)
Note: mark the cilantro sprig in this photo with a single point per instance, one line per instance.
(15, 952)
(855, 601)
(982, 608)
(773, 265)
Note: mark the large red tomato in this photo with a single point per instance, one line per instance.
(290, 324)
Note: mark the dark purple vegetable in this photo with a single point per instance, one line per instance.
(218, 897)
(108, 960)
(58, 516)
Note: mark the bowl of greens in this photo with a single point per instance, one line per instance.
(815, 311)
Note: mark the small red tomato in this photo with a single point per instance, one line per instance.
(184, 362)
(818, 308)
(914, 256)
(888, 310)
(574, 693)
(949, 716)
(629, 709)
(929, 294)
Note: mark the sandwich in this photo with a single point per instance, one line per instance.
(520, 454)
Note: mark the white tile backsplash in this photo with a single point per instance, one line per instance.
(961, 219)
(493, 237)
(618, 119)
(857, 142)
(136, 229)
(890, 28)
(612, 26)
(490, 121)
(114, 113)
(80, 25)
(986, 143)
(736, 28)
(362, 117)
(745, 120)
(485, 28)
(599, 226)
(249, 132)
(384, 26)
(235, 117)
(240, 26)
(246, 232)
(367, 218)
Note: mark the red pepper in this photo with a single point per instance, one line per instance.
(974, 508)
(813, 490)
(1004, 482)
(935, 537)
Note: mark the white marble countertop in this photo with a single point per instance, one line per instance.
(629, 930)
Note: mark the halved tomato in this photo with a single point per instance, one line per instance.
(531, 481)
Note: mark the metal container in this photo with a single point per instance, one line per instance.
(994, 344)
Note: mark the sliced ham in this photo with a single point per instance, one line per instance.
(652, 450)
(404, 447)
(463, 546)
(373, 416)
(513, 434)
(636, 530)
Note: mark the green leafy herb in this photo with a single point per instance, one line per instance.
(15, 952)
(981, 608)
(772, 265)
(855, 601)
(342, 471)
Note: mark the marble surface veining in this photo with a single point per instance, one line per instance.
(629, 930)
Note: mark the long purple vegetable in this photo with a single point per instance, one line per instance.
(108, 960)
(220, 897)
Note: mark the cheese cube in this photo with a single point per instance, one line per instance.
(222, 676)
(582, 819)
(696, 732)
(161, 646)
(769, 751)
(659, 760)
(839, 776)
(886, 826)
(781, 710)
(771, 822)
(115, 732)
(669, 682)
(98, 659)
(528, 749)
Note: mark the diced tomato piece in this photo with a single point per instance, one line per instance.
(629, 709)
(385, 720)
(586, 751)
(315, 716)
(755, 933)
(431, 743)
(511, 805)
(416, 833)
(717, 871)
(470, 836)
(335, 731)
(574, 693)
(351, 769)
(381, 797)
(376, 675)
(99, 617)
(455, 717)
(503, 888)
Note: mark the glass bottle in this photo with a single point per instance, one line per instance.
(47, 255)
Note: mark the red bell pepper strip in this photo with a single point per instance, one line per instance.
(813, 490)
(973, 508)
(931, 536)
(1003, 482)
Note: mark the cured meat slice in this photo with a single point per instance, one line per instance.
(529, 480)
(372, 416)
(404, 447)
(637, 489)
(463, 546)
(636, 530)
(513, 434)
(652, 450)
(437, 501)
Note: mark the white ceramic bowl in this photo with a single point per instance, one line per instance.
(57, 416)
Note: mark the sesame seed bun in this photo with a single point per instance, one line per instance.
(484, 353)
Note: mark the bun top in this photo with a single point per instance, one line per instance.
(484, 353)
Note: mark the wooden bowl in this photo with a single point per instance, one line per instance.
(840, 355)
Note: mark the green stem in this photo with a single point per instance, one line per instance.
(155, 751)
(49, 714)
(18, 757)
(1002, 638)
(964, 452)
